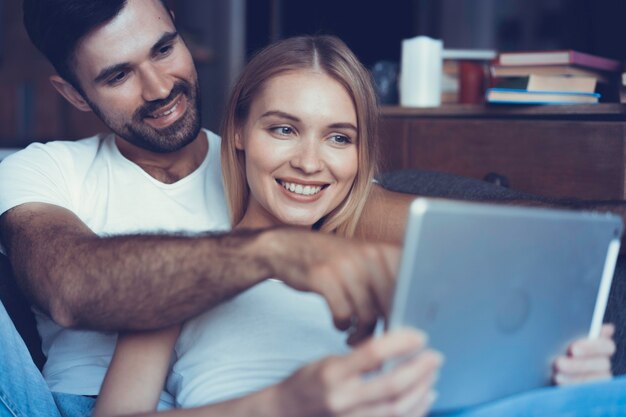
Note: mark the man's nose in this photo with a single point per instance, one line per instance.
(308, 157)
(156, 85)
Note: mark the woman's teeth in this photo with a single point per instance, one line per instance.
(301, 189)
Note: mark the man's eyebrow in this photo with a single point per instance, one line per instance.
(109, 71)
(166, 38)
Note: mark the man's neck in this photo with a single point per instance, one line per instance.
(167, 167)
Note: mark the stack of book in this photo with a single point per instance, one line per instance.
(552, 77)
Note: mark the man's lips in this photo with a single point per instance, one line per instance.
(167, 115)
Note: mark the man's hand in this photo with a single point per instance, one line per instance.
(586, 359)
(337, 386)
(356, 278)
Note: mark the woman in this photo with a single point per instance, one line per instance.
(298, 149)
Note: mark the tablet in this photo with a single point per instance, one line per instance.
(502, 290)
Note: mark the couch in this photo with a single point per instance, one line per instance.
(409, 181)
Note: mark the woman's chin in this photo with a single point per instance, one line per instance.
(303, 224)
(299, 220)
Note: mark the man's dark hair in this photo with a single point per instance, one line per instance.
(57, 26)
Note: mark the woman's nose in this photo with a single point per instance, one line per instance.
(308, 157)
(157, 85)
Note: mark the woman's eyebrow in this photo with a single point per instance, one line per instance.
(278, 113)
(343, 126)
(284, 115)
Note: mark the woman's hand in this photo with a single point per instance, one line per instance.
(586, 359)
(339, 386)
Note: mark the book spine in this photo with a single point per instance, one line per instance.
(540, 93)
(498, 71)
(547, 58)
(533, 58)
(606, 64)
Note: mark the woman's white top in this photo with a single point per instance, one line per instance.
(252, 341)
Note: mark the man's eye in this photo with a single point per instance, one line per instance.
(118, 78)
(164, 50)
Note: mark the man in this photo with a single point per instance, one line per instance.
(104, 233)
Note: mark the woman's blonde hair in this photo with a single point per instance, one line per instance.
(331, 56)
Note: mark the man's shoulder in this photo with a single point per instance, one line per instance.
(79, 147)
(47, 172)
(61, 150)
(52, 159)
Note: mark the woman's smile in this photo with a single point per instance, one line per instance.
(302, 188)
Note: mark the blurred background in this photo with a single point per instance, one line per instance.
(222, 34)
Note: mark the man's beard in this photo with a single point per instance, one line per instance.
(169, 139)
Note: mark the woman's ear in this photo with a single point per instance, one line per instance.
(238, 141)
(68, 91)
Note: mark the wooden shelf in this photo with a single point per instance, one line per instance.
(558, 151)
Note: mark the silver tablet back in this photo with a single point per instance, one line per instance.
(502, 290)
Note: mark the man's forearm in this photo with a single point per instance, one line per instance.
(158, 280)
(385, 215)
(127, 282)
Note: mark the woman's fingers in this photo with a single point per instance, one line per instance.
(422, 407)
(586, 348)
(405, 390)
(369, 394)
(586, 359)
(574, 366)
(371, 355)
(607, 330)
(415, 404)
(567, 379)
(417, 374)
(346, 385)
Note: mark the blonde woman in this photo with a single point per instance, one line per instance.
(298, 150)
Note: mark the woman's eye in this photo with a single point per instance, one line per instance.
(340, 139)
(283, 130)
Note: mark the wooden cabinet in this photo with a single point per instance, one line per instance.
(559, 151)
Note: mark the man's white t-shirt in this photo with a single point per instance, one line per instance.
(112, 196)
